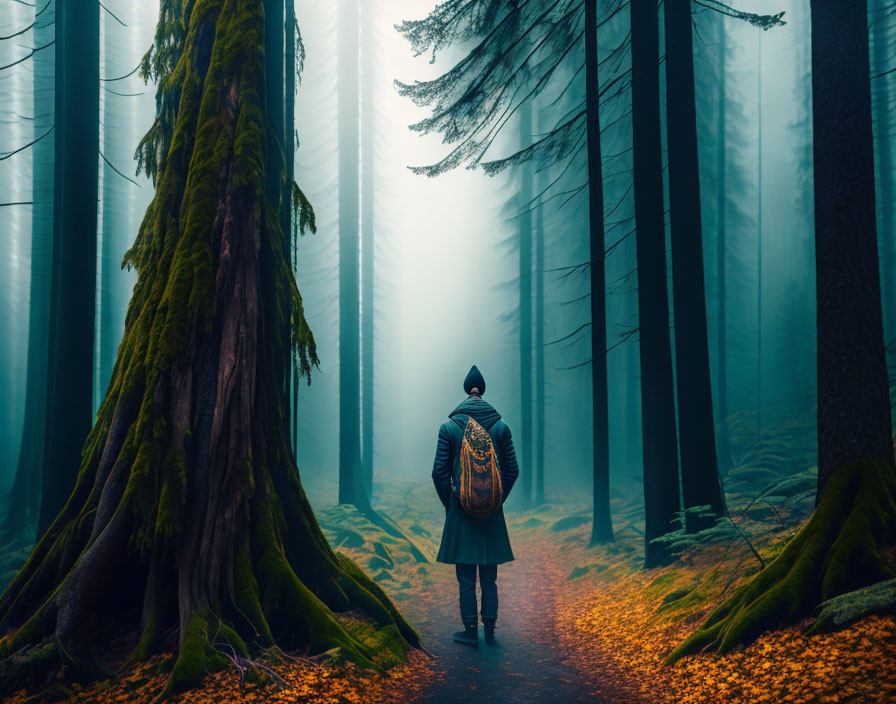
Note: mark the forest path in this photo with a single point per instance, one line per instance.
(532, 660)
(526, 664)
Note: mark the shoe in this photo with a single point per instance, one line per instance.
(468, 636)
(489, 630)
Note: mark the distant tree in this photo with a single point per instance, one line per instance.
(539, 392)
(73, 279)
(525, 227)
(24, 497)
(660, 448)
(724, 450)
(188, 514)
(351, 481)
(368, 243)
(839, 549)
(522, 49)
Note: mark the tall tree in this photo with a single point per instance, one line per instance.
(188, 512)
(524, 224)
(699, 466)
(539, 393)
(760, 319)
(601, 525)
(368, 247)
(24, 498)
(660, 448)
(839, 549)
(73, 279)
(351, 483)
(725, 459)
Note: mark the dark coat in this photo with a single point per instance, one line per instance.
(467, 539)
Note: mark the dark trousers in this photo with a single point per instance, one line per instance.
(466, 578)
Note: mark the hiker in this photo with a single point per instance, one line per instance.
(474, 471)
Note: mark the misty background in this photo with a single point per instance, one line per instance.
(446, 253)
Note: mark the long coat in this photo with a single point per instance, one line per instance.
(467, 539)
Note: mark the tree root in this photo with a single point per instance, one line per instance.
(837, 551)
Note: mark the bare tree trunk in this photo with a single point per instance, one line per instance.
(539, 396)
(368, 247)
(853, 402)
(351, 483)
(699, 466)
(725, 459)
(525, 306)
(602, 526)
(661, 495)
(73, 281)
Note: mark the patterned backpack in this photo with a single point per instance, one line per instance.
(480, 479)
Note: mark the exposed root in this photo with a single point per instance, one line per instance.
(837, 551)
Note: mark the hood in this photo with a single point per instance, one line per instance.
(479, 410)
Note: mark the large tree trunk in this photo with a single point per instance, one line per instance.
(368, 136)
(24, 498)
(524, 223)
(699, 467)
(839, 549)
(853, 405)
(351, 484)
(661, 495)
(602, 526)
(73, 281)
(188, 511)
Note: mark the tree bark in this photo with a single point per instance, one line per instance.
(602, 526)
(660, 448)
(73, 281)
(188, 512)
(882, 96)
(853, 402)
(699, 466)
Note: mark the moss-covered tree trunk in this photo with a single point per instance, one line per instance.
(839, 549)
(188, 514)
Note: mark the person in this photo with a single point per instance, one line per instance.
(474, 543)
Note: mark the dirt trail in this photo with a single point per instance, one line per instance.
(526, 664)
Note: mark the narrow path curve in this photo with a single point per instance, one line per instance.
(526, 665)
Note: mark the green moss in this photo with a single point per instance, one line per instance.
(675, 595)
(196, 656)
(835, 552)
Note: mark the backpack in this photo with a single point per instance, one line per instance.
(480, 492)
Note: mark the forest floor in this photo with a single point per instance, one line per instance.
(576, 623)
